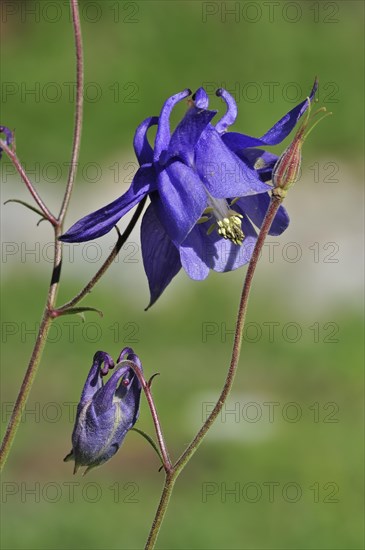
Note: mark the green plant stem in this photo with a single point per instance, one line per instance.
(236, 350)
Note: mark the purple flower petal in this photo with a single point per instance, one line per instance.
(201, 252)
(142, 148)
(103, 399)
(276, 134)
(193, 253)
(229, 118)
(131, 399)
(94, 378)
(262, 161)
(8, 137)
(282, 129)
(255, 208)
(187, 133)
(222, 172)
(182, 200)
(201, 98)
(103, 220)
(8, 134)
(161, 259)
(228, 256)
(163, 132)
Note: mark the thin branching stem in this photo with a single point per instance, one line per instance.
(57, 261)
(147, 391)
(122, 238)
(19, 168)
(78, 108)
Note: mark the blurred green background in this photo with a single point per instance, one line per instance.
(289, 444)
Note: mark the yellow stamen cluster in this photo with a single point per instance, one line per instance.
(227, 222)
(230, 228)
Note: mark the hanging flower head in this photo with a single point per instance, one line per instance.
(207, 190)
(106, 412)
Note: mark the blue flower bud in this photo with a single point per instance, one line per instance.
(105, 412)
(8, 137)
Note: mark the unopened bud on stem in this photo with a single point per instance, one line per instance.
(287, 168)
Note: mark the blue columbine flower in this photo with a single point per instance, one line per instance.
(207, 189)
(105, 412)
(8, 137)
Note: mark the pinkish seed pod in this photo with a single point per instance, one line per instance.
(286, 170)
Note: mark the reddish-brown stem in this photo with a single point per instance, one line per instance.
(173, 474)
(18, 166)
(241, 316)
(147, 391)
(78, 108)
(57, 262)
(122, 238)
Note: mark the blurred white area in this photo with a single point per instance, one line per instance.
(245, 418)
(321, 253)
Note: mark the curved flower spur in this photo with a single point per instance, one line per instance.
(207, 190)
(106, 412)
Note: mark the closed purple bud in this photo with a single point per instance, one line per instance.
(106, 412)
